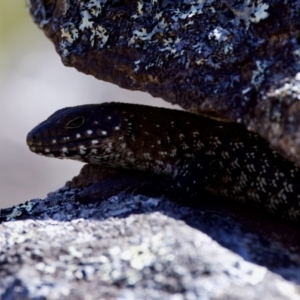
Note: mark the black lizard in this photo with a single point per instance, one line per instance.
(196, 154)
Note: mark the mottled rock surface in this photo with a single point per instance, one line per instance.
(232, 58)
(134, 247)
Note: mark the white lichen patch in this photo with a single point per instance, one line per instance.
(258, 75)
(139, 8)
(95, 7)
(144, 35)
(260, 12)
(250, 12)
(85, 20)
(14, 214)
(99, 33)
(166, 22)
(291, 88)
(70, 32)
(219, 34)
(196, 8)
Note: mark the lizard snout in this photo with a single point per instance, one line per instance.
(33, 138)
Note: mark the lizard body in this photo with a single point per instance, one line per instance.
(197, 154)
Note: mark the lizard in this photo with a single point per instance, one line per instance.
(196, 154)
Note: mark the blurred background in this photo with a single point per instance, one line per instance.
(33, 84)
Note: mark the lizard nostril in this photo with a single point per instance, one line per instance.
(32, 138)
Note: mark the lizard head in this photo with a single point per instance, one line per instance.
(85, 133)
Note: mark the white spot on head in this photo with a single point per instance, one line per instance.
(47, 150)
(89, 131)
(53, 141)
(95, 142)
(117, 128)
(82, 149)
(109, 117)
(78, 135)
(64, 149)
(104, 132)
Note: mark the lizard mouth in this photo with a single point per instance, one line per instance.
(74, 145)
(63, 148)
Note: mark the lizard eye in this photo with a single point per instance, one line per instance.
(75, 123)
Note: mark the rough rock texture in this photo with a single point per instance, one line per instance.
(134, 247)
(239, 59)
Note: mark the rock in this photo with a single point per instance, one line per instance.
(136, 247)
(233, 59)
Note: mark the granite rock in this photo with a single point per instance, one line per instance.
(136, 247)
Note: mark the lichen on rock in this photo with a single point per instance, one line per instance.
(237, 59)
